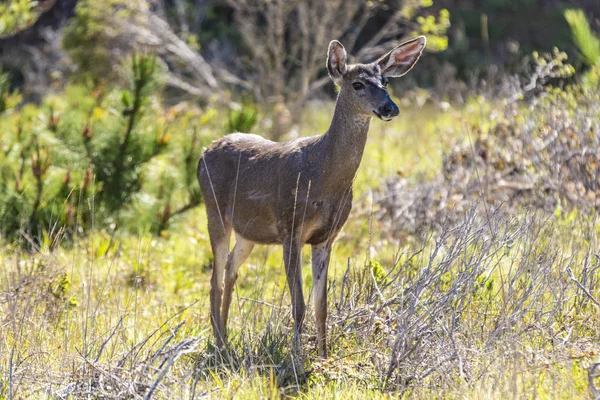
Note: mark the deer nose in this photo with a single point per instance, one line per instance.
(389, 110)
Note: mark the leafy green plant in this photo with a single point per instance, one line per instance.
(378, 272)
(9, 98)
(16, 15)
(586, 41)
(242, 120)
(171, 184)
(59, 287)
(91, 34)
(103, 157)
(435, 29)
(120, 161)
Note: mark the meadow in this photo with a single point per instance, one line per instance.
(442, 284)
(469, 266)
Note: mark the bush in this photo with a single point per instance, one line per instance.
(543, 153)
(9, 98)
(587, 43)
(92, 38)
(97, 157)
(243, 119)
(585, 40)
(17, 15)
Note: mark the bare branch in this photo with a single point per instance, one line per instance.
(580, 286)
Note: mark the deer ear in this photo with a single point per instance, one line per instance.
(336, 61)
(402, 58)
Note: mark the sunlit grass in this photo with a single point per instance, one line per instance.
(130, 286)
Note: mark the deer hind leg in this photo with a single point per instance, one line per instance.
(219, 239)
(238, 255)
(320, 264)
(293, 270)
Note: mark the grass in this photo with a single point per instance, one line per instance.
(483, 309)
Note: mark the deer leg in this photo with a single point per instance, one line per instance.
(219, 240)
(320, 264)
(238, 255)
(293, 271)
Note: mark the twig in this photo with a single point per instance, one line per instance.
(109, 338)
(583, 288)
(263, 303)
(184, 347)
(594, 373)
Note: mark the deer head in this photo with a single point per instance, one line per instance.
(365, 84)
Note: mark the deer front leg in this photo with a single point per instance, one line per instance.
(220, 246)
(293, 270)
(320, 264)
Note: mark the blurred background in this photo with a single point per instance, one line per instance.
(273, 50)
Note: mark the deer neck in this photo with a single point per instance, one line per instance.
(342, 146)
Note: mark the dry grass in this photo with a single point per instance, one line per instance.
(486, 306)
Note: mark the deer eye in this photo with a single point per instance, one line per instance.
(358, 85)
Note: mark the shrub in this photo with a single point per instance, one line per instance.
(97, 153)
(16, 15)
(91, 46)
(544, 153)
(243, 119)
(285, 42)
(585, 40)
(9, 98)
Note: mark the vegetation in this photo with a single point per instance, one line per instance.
(94, 156)
(16, 15)
(9, 97)
(468, 268)
(583, 36)
(280, 38)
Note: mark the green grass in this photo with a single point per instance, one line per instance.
(69, 316)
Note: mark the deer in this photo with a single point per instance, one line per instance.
(295, 192)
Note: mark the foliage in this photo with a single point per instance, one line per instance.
(16, 15)
(90, 154)
(242, 119)
(379, 274)
(586, 41)
(9, 98)
(120, 157)
(435, 30)
(90, 45)
(470, 312)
